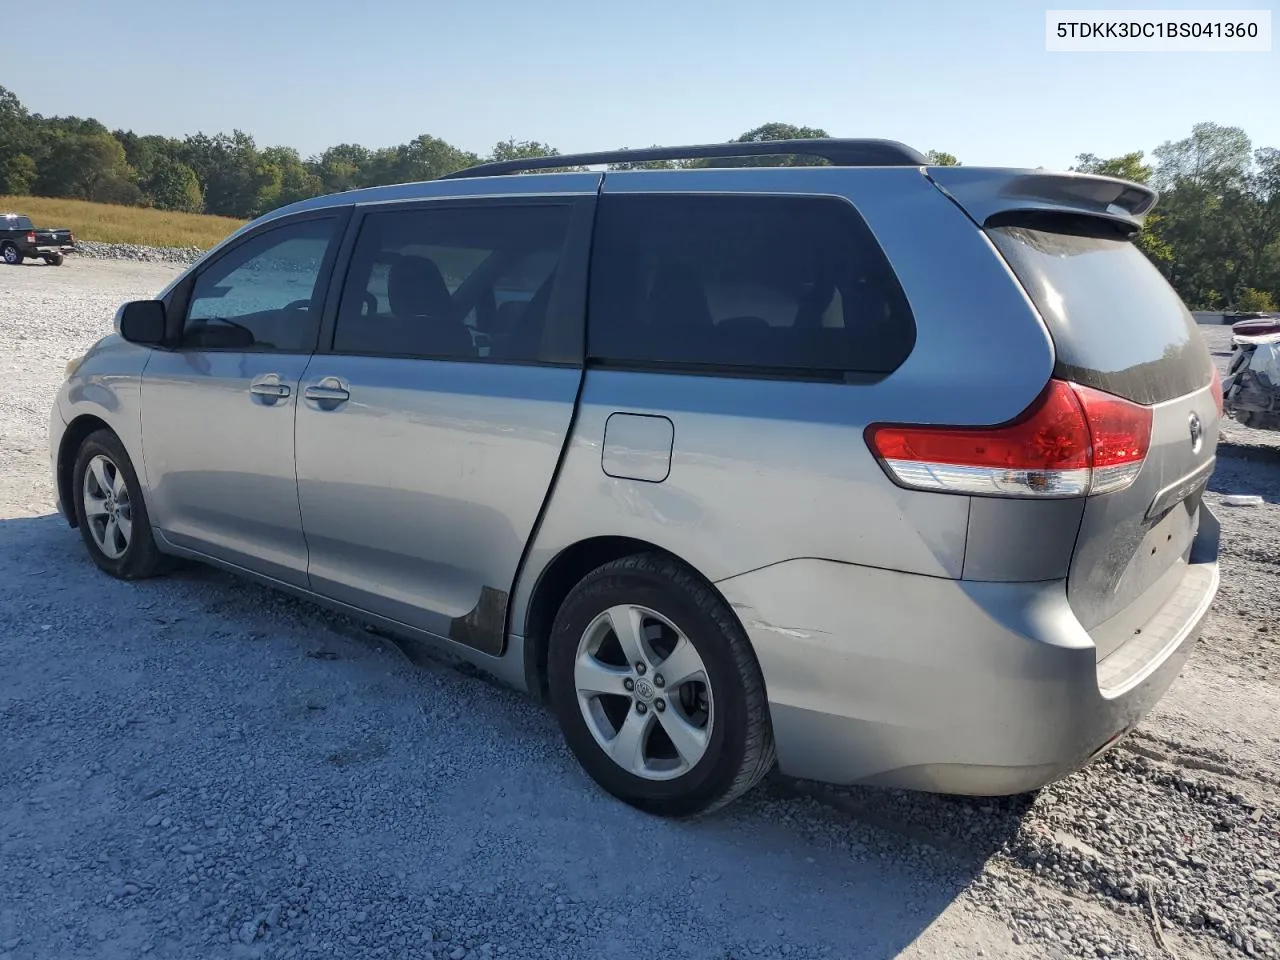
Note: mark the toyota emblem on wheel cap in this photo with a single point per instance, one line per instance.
(1197, 432)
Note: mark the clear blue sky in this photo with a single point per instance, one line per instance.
(969, 77)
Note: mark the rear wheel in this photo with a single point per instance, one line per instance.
(11, 255)
(657, 690)
(110, 511)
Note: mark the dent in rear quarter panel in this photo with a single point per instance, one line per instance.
(767, 470)
(108, 385)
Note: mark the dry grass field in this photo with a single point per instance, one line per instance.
(109, 223)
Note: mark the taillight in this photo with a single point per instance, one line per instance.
(31, 237)
(1071, 442)
(1216, 389)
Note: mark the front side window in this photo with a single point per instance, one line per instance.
(789, 285)
(466, 282)
(264, 295)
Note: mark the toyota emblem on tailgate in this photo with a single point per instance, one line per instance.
(1197, 432)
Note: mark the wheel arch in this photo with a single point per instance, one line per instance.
(77, 430)
(560, 576)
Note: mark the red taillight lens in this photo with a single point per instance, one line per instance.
(1120, 433)
(1216, 389)
(31, 237)
(1070, 442)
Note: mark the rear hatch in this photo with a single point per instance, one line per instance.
(1118, 326)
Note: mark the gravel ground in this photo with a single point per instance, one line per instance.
(196, 767)
(93, 250)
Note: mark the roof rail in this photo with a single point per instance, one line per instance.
(840, 153)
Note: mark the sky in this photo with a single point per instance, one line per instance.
(972, 78)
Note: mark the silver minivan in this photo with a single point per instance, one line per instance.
(882, 472)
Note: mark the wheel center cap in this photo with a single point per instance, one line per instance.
(645, 690)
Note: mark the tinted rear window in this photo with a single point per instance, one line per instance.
(789, 286)
(1116, 323)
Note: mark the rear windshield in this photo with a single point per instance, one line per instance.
(1116, 323)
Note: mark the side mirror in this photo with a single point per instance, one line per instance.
(142, 322)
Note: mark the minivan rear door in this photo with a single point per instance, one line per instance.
(425, 450)
(1118, 326)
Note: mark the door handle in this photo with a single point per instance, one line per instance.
(330, 392)
(269, 388)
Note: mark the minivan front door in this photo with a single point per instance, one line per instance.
(218, 409)
(425, 446)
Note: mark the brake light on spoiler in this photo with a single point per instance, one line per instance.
(1073, 441)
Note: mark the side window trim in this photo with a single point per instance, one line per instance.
(178, 304)
(564, 339)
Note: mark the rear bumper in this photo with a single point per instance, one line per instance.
(952, 686)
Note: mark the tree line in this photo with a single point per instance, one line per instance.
(1215, 235)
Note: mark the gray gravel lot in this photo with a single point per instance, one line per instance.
(196, 767)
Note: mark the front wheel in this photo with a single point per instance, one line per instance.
(54, 260)
(11, 255)
(110, 512)
(657, 690)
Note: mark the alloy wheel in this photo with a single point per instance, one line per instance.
(107, 508)
(644, 692)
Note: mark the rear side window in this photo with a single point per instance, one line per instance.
(453, 282)
(1116, 323)
(787, 286)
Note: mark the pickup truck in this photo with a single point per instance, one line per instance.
(20, 239)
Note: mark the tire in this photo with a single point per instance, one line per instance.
(11, 255)
(55, 260)
(669, 604)
(114, 486)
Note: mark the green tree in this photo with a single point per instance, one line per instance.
(284, 178)
(84, 166)
(13, 115)
(763, 134)
(1214, 157)
(940, 158)
(513, 149)
(1257, 212)
(1130, 166)
(644, 164)
(172, 185)
(1220, 213)
(17, 147)
(1250, 300)
(17, 174)
(1127, 166)
(232, 177)
(343, 167)
(527, 150)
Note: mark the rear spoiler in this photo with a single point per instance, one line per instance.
(986, 192)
